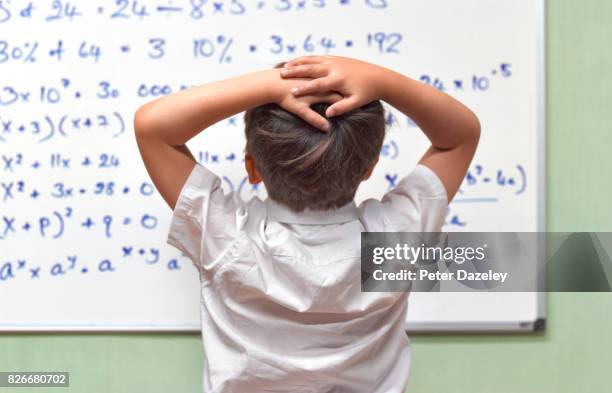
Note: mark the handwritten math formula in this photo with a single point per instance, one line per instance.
(72, 74)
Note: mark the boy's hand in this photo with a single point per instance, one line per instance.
(359, 82)
(301, 105)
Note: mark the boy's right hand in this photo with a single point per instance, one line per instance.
(357, 81)
(280, 93)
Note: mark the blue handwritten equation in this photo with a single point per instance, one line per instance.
(489, 187)
(63, 91)
(219, 49)
(26, 269)
(58, 10)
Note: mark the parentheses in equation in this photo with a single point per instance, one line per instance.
(51, 129)
(5, 14)
(61, 226)
(229, 182)
(242, 183)
(523, 178)
(121, 123)
(395, 150)
(61, 125)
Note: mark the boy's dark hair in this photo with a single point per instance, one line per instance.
(304, 167)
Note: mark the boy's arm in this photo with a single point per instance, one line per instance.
(451, 127)
(163, 126)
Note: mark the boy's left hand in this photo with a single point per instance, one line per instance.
(300, 106)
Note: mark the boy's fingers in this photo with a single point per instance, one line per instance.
(313, 118)
(305, 71)
(333, 98)
(304, 60)
(343, 106)
(328, 98)
(320, 85)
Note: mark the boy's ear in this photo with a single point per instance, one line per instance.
(369, 172)
(249, 164)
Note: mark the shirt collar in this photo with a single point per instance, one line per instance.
(280, 213)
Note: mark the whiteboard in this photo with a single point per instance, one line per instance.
(82, 229)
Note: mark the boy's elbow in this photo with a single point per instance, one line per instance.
(473, 129)
(143, 122)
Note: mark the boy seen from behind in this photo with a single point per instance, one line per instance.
(281, 302)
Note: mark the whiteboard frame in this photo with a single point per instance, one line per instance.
(537, 324)
(540, 322)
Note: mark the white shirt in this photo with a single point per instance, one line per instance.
(281, 302)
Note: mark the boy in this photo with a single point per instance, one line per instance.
(282, 309)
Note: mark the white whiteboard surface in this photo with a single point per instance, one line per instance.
(72, 78)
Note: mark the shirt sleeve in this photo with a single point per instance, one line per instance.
(202, 224)
(417, 203)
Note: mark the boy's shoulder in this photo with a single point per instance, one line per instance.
(417, 203)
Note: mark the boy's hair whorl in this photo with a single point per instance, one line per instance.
(303, 167)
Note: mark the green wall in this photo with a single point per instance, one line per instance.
(571, 356)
